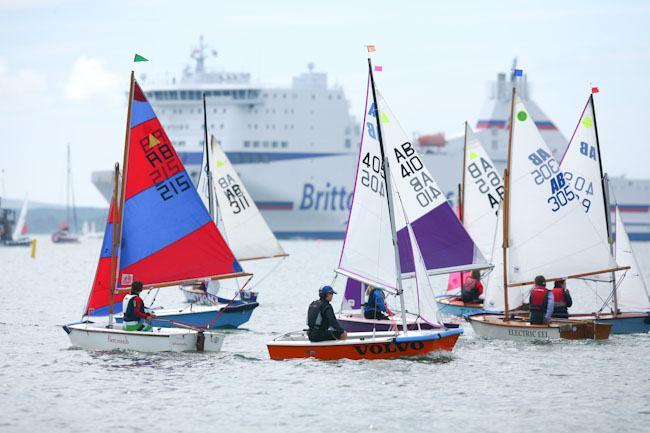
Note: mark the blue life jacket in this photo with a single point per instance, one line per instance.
(375, 301)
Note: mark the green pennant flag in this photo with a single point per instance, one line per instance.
(139, 58)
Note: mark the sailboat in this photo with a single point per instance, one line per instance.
(457, 245)
(64, 234)
(481, 193)
(18, 237)
(158, 232)
(582, 167)
(234, 211)
(540, 211)
(392, 190)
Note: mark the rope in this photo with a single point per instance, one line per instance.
(213, 321)
(277, 265)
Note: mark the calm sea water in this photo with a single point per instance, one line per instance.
(483, 386)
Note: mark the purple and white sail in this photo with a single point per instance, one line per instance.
(442, 240)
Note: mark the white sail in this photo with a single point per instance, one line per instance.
(426, 299)
(549, 233)
(493, 296)
(582, 170)
(20, 224)
(368, 254)
(632, 292)
(244, 227)
(482, 194)
(442, 240)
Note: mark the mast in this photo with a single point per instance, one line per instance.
(506, 209)
(208, 171)
(119, 199)
(461, 207)
(461, 196)
(113, 245)
(67, 187)
(605, 185)
(389, 197)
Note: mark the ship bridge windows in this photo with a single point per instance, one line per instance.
(285, 144)
(247, 143)
(348, 143)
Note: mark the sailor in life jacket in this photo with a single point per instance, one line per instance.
(472, 288)
(321, 320)
(375, 306)
(541, 302)
(561, 300)
(135, 313)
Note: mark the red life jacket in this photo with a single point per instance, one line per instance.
(538, 299)
(558, 297)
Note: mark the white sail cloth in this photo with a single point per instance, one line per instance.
(20, 224)
(245, 230)
(482, 194)
(443, 242)
(582, 170)
(632, 292)
(549, 233)
(368, 254)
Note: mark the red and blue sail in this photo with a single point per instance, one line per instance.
(99, 299)
(167, 234)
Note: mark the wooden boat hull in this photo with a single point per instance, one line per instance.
(622, 323)
(93, 336)
(358, 323)
(493, 326)
(204, 316)
(452, 306)
(383, 345)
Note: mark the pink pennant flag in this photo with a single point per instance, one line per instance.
(379, 68)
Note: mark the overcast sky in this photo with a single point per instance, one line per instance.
(64, 67)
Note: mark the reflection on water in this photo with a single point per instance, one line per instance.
(484, 385)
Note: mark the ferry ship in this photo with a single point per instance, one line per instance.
(296, 147)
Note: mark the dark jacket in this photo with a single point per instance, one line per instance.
(321, 317)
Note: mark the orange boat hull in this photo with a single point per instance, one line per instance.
(376, 350)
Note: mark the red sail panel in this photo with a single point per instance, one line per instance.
(167, 233)
(99, 298)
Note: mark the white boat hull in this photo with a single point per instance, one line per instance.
(515, 333)
(519, 329)
(93, 336)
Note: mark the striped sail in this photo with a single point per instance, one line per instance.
(245, 229)
(168, 235)
(442, 240)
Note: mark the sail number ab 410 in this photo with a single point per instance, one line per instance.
(411, 167)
